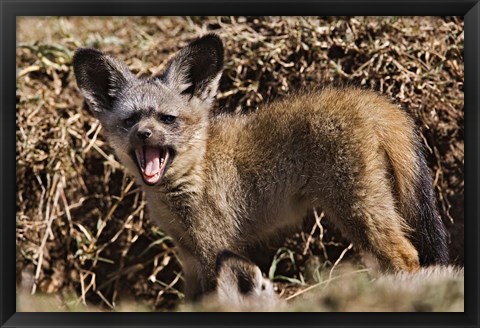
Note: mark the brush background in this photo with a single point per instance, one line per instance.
(84, 237)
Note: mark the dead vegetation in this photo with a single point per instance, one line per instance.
(82, 227)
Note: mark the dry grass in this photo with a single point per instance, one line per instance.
(82, 226)
(358, 291)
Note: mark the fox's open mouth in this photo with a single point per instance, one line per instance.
(152, 162)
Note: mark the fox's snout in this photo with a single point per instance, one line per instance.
(144, 133)
(147, 134)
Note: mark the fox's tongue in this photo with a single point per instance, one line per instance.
(152, 161)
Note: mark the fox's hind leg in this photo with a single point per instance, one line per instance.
(390, 246)
(377, 228)
(367, 215)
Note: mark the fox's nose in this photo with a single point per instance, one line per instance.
(144, 134)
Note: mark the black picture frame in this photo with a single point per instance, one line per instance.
(10, 9)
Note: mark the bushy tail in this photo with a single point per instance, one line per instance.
(414, 189)
(430, 235)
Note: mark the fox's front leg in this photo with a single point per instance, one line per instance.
(199, 272)
(191, 270)
(209, 231)
(204, 233)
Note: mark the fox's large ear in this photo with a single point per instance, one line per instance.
(237, 275)
(197, 68)
(99, 77)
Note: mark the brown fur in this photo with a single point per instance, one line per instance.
(238, 179)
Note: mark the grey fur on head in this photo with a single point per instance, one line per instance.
(194, 71)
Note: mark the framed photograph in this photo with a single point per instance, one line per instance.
(230, 163)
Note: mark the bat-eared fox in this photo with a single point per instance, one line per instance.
(228, 182)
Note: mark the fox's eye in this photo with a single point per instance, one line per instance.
(130, 121)
(169, 119)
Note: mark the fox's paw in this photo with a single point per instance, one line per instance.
(405, 257)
